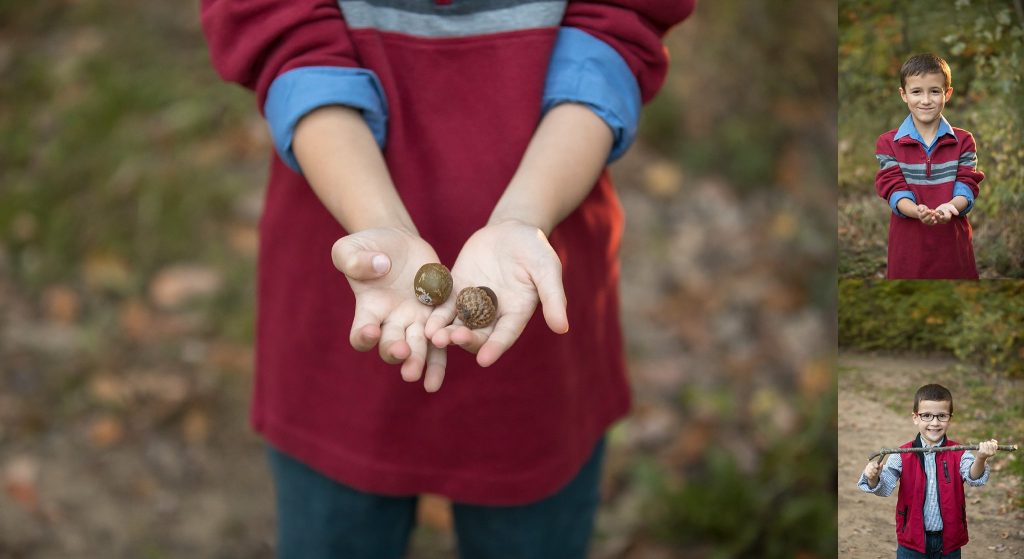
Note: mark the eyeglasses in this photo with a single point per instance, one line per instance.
(928, 417)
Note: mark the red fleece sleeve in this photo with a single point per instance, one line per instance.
(634, 29)
(967, 170)
(889, 178)
(251, 42)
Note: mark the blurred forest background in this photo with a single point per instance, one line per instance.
(983, 41)
(895, 336)
(130, 190)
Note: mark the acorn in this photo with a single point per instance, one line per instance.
(477, 306)
(433, 284)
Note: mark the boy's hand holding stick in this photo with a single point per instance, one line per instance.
(884, 451)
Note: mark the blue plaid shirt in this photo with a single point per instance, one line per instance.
(890, 474)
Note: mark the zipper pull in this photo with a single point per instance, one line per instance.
(945, 470)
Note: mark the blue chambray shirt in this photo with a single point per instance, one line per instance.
(890, 475)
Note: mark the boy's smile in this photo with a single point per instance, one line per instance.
(926, 95)
(932, 431)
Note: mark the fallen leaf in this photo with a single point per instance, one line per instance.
(61, 304)
(244, 239)
(107, 389)
(106, 431)
(20, 476)
(663, 179)
(179, 284)
(103, 271)
(195, 427)
(136, 320)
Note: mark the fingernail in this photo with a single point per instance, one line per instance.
(380, 263)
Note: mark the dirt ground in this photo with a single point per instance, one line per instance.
(870, 389)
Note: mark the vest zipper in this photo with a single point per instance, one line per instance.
(945, 470)
(938, 493)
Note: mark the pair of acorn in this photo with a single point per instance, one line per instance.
(477, 306)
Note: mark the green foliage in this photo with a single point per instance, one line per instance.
(778, 510)
(983, 41)
(762, 82)
(979, 323)
(107, 144)
(118, 154)
(990, 329)
(897, 315)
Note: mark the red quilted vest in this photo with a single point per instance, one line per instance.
(910, 500)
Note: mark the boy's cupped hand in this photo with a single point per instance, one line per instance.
(381, 265)
(942, 213)
(927, 215)
(945, 212)
(517, 262)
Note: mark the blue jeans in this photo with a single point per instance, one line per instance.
(932, 547)
(320, 518)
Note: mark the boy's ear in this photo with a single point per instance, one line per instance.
(903, 94)
(949, 93)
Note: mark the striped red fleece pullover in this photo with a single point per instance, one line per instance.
(916, 250)
(463, 82)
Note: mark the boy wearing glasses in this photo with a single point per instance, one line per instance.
(931, 515)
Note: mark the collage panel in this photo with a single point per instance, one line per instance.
(911, 351)
(931, 124)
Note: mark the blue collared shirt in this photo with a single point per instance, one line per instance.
(890, 475)
(583, 69)
(908, 129)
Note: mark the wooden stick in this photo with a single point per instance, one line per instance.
(929, 449)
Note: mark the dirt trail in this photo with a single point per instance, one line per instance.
(868, 387)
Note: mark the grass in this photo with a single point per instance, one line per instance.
(123, 152)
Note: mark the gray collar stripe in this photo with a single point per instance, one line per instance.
(951, 173)
(928, 182)
(923, 166)
(435, 8)
(363, 15)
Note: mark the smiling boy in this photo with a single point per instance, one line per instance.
(928, 174)
(931, 514)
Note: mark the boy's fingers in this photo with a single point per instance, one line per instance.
(366, 329)
(437, 360)
(441, 316)
(469, 340)
(393, 347)
(358, 263)
(552, 300)
(412, 368)
(505, 333)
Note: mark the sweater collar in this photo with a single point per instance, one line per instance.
(908, 129)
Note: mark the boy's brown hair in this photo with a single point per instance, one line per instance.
(926, 63)
(935, 393)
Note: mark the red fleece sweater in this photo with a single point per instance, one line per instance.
(916, 250)
(461, 112)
